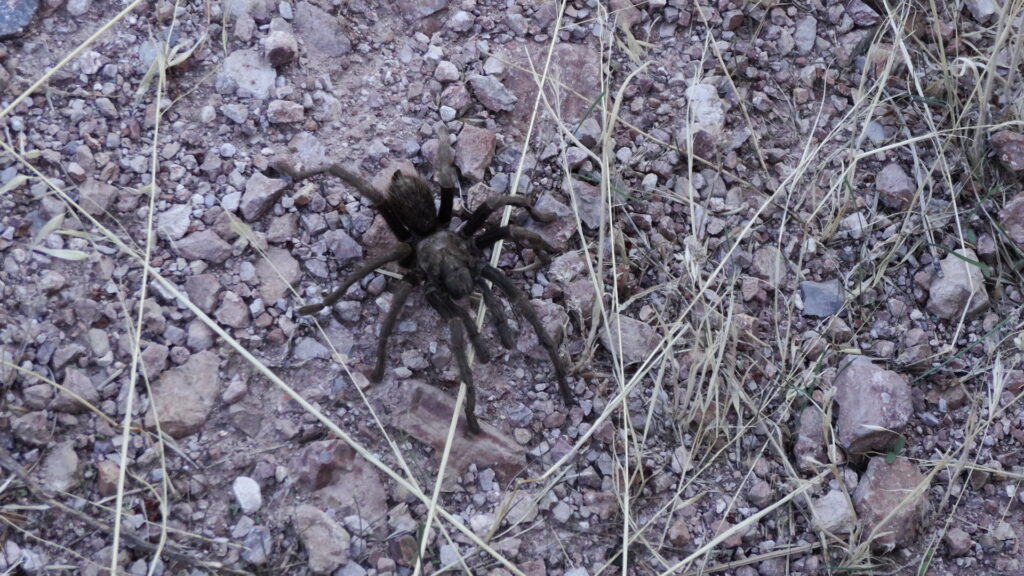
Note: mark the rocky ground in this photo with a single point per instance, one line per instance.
(787, 275)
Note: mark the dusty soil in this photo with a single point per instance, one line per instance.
(786, 277)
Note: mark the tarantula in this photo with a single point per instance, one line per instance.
(450, 264)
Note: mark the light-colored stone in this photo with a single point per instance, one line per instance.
(959, 286)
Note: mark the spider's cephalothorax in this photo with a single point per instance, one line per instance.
(449, 264)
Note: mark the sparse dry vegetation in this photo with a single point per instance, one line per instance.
(722, 173)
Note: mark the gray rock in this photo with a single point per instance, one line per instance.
(982, 10)
(890, 501)
(1009, 147)
(200, 337)
(31, 428)
(59, 471)
(326, 542)
(185, 395)
(259, 544)
(855, 225)
(322, 33)
(202, 290)
(15, 15)
(1011, 217)
(344, 248)
(310, 349)
(578, 67)
(809, 449)
(283, 228)
(960, 286)
(154, 359)
(895, 189)
(632, 338)
(247, 73)
(277, 271)
(284, 112)
(233, 311)
(561, 229)
(341, 479)
(78, 7)
(76, 383)
(173, 223)
(414, 10)
(958, 542)
(446, 72)
(237, 113)
(95, 196)
(260, 194)
(874, 404)
(806, 34)
(492, 93)
(706, 109)
(204, 245)
(474, 151)
(771, 265)
(833, 513)
(822, 299)
(247, 494)
(588, 202)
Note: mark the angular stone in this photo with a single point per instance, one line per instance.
(59, 471)
(425, 412)
(260, 194)
(492, 93)
(822, 299)
(321, 32)
(277, 271)
(891, 489)
(1011, 217)
(833, 513)
(341, 479)
(874, 404)
(247, 73)
(895, 189)
(77, 383)
(172, 224)
(960, 285)
(326, 542)
(635, 339)
(233, 311)
(96, 196)
(474, 151)
(185, 395)
(284, 111)
(204, 245)
(1009, 147)
(809, 449)
(203, 290)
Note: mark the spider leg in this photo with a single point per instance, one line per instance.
(456, 328)
(446, 177)
(520, 302)
(448, 308)
(397, 303)
(483, 211)
(497, 314)
(354, 180)
(399, 252)
(521, 235)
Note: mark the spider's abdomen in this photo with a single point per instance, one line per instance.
(443, 258)
(410, 198)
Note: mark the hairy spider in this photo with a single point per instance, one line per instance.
(450, 264)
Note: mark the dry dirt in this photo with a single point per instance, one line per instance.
(787, 279)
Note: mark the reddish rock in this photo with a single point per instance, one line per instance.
(1009, 147)
(874, 404)
(890, 501)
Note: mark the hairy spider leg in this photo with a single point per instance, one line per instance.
(498, 316)
(455, 328)
(479, 216)
(378, 200)
(398, 252)
(520, 235)
(388, 326)
(517, 298)
(445, 306)
(446, 177)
